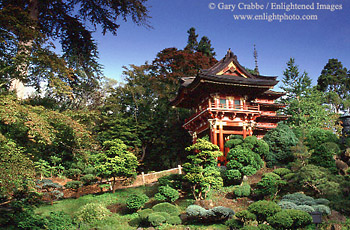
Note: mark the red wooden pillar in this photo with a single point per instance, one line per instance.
(221, 137)
(244, 131)
(215, 136)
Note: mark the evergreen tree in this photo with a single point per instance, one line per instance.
(294, 83)
(204, 47)
(335, 80)
(192, 42)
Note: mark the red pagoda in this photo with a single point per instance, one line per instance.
(227, 99)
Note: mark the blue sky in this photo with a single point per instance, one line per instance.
(311, 43)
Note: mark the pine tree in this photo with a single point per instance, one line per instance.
(204, 47)
(192, 43)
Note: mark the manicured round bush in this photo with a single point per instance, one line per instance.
(60, 221)
(322, 209)
(305, 208)
(248, 170)
(195, 211)
(234, 141)
(136, 201)
(166, 207)
(92, 212)
(298, 198)
(287, 205)
(282, 171)
(290, 219)
(264, 209)
(234, 224)
(166, 193)
(156, 219)
(245, 216)
(265, 227)
(143, 214)
(88, 179)
(322, 201)
(222, 212)
(242, 191)
(232, 176)
(174, 220)
(281, 220)
(73, 184)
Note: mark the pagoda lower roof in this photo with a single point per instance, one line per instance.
(275, 117)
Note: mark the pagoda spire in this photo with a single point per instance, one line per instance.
(256, 61)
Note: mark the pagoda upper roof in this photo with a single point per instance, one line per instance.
(222, 76)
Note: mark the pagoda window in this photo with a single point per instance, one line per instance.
(223, 103)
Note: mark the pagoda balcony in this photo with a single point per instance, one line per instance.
(222, 108)
(266, 125)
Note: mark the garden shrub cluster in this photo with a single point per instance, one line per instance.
(167, 193)
(242, 191)
(92, 212)
(162, 213)
(270, 184)
(244, 157)
(197, 213)
(136, 201)
(300, 201)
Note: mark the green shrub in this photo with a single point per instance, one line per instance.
(173, 180)
(298, 198)
(156, 219)
(195, 211)
(245, 216)
(250, 227)
(305, 208)
(234, 141)
(219, 213)
(242, 191)
(264, 209)
(60, 221)
(269, 184)
(290, 219)
(287, 205)
(174, 220)
(222, 212)
(322, 201)
(136, 201)
(88, 179)
(73, 184)
(281, 220)
(92, 212)
(282, 171)
(248, 170)
(289, 176)
(166, 193)
(265, 227)
(143, 214)
(322, 209)
(232, 176)
(234, 224)
(166, 207)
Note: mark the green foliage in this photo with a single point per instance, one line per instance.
(16, 168)
(305, 208)
(143, 214)
(265, 227)
(136, 201)
(282, 171)
(284, 204)
(174, 220)
(92, 212)
(280, 140)
(198, 214)
(88, 179)
(166, 193)
(242, 191)
(244, 158)
(316, 136)
(156, 219)
(166, 207)
(264, 209)
(201, 171)
(250, 227)
(60, 221)
(173, 180)
(325, 210)
(245, 216)
(234, 224)
(270, 184)
(73, 184)
(290, 219)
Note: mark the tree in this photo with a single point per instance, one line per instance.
(201, 171)
(205, 48)
(334, 79)
(115, 161)
(192, 43)
(295, 84)
(28, 27)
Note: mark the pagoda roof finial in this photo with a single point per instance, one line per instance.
(230, 54)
